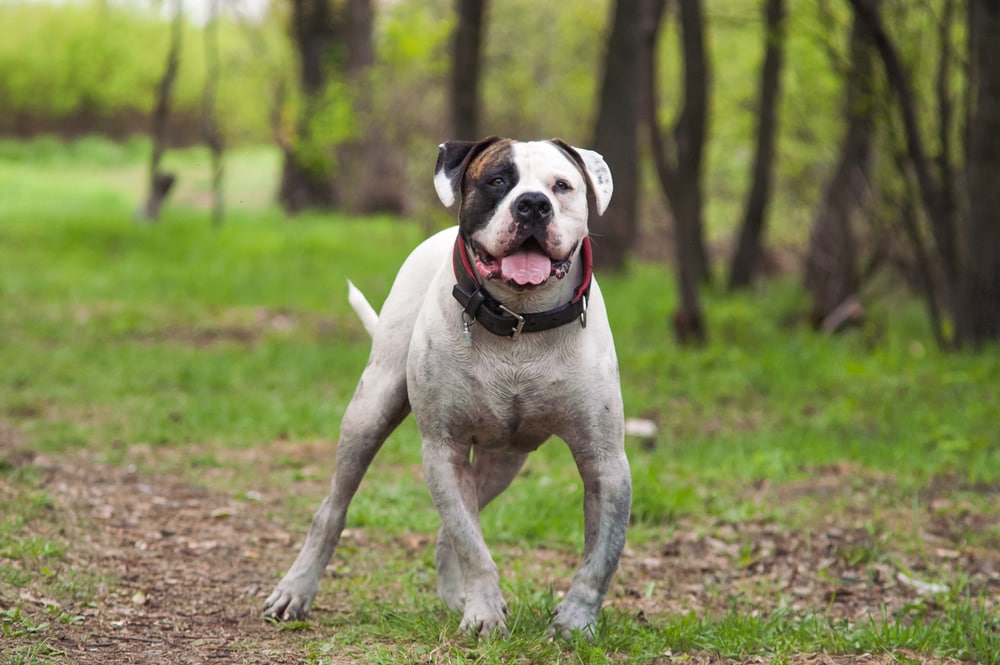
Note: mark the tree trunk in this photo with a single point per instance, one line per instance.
(304, 184)
(357, 170)
(689, 132)
(936, 205)
(369, 172)
(160, 182)
(615, 136)
(831, 271)
(978, 312)
(680, 176)
(748, 250)
(465, 69)
(210, 123)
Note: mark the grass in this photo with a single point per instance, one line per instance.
(184, 349)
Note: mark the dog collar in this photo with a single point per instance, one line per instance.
(479, 306)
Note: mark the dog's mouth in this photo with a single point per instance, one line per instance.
(524, 266)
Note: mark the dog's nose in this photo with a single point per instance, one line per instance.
(532, 208)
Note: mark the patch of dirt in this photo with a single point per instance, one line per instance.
(185, 570)
(188, 566)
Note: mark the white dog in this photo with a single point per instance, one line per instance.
(496, 337)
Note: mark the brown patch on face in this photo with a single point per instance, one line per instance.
(492, 155)
(480, 195)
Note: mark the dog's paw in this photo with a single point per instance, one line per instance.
(572, 617)
(286, 603)
(485, 618)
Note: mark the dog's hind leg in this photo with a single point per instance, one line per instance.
(378, 406)
(493, 473)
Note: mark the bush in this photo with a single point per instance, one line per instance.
(98, 63)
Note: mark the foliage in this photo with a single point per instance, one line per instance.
(104, 59)
(542, 66)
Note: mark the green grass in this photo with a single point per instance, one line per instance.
(196, 343)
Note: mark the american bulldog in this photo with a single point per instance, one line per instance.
(496, 337)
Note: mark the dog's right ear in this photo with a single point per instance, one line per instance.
(453, 158)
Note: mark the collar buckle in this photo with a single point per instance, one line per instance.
(516, 330)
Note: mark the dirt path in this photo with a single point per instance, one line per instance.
(189, 568)
(186, 570)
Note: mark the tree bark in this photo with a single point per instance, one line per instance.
(211, 133)
(465, 70)
(303, 185)
(369, 174)
(831, 271)
(678, 165)
(160, 182)
(689, 132)
(615, 136)
(936, 206)
(361, 173)
(978, 313)
(748, 249)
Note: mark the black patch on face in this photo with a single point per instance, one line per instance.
(488, 179)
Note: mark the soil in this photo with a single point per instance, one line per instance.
(188, 568)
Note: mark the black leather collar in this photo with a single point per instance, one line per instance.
(479, 306)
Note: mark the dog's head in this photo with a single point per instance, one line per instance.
(523, 207)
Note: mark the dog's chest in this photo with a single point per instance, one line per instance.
(498, 402)
(515, 407)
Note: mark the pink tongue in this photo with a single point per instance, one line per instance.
(524, 267)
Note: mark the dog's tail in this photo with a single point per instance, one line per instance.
(365, 312)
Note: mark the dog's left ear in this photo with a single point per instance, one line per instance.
(595, 168)
(453, 158)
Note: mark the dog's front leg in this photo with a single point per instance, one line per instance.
(607, 503)
(452, 485)
(378, 406)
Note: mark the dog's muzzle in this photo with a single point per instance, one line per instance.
(478, 306)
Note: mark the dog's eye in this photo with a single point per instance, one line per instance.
(497, 182)
(562, 186)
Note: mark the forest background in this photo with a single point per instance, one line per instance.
(860, 141)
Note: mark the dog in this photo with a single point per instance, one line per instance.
(495, 336)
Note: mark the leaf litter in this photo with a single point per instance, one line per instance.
(186, 569)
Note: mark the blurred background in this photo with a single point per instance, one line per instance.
(851, 143)
(801, 266)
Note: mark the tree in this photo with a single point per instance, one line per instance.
(211, 133)
(831, 270)
(978, 316)
(339, 157)
(466, 64)
(368, 170)
(678, 160)
(306, 180)
(967, 249)
(615, 135)
(161, 182)
(748, 249)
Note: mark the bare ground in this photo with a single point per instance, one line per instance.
(182, 571)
